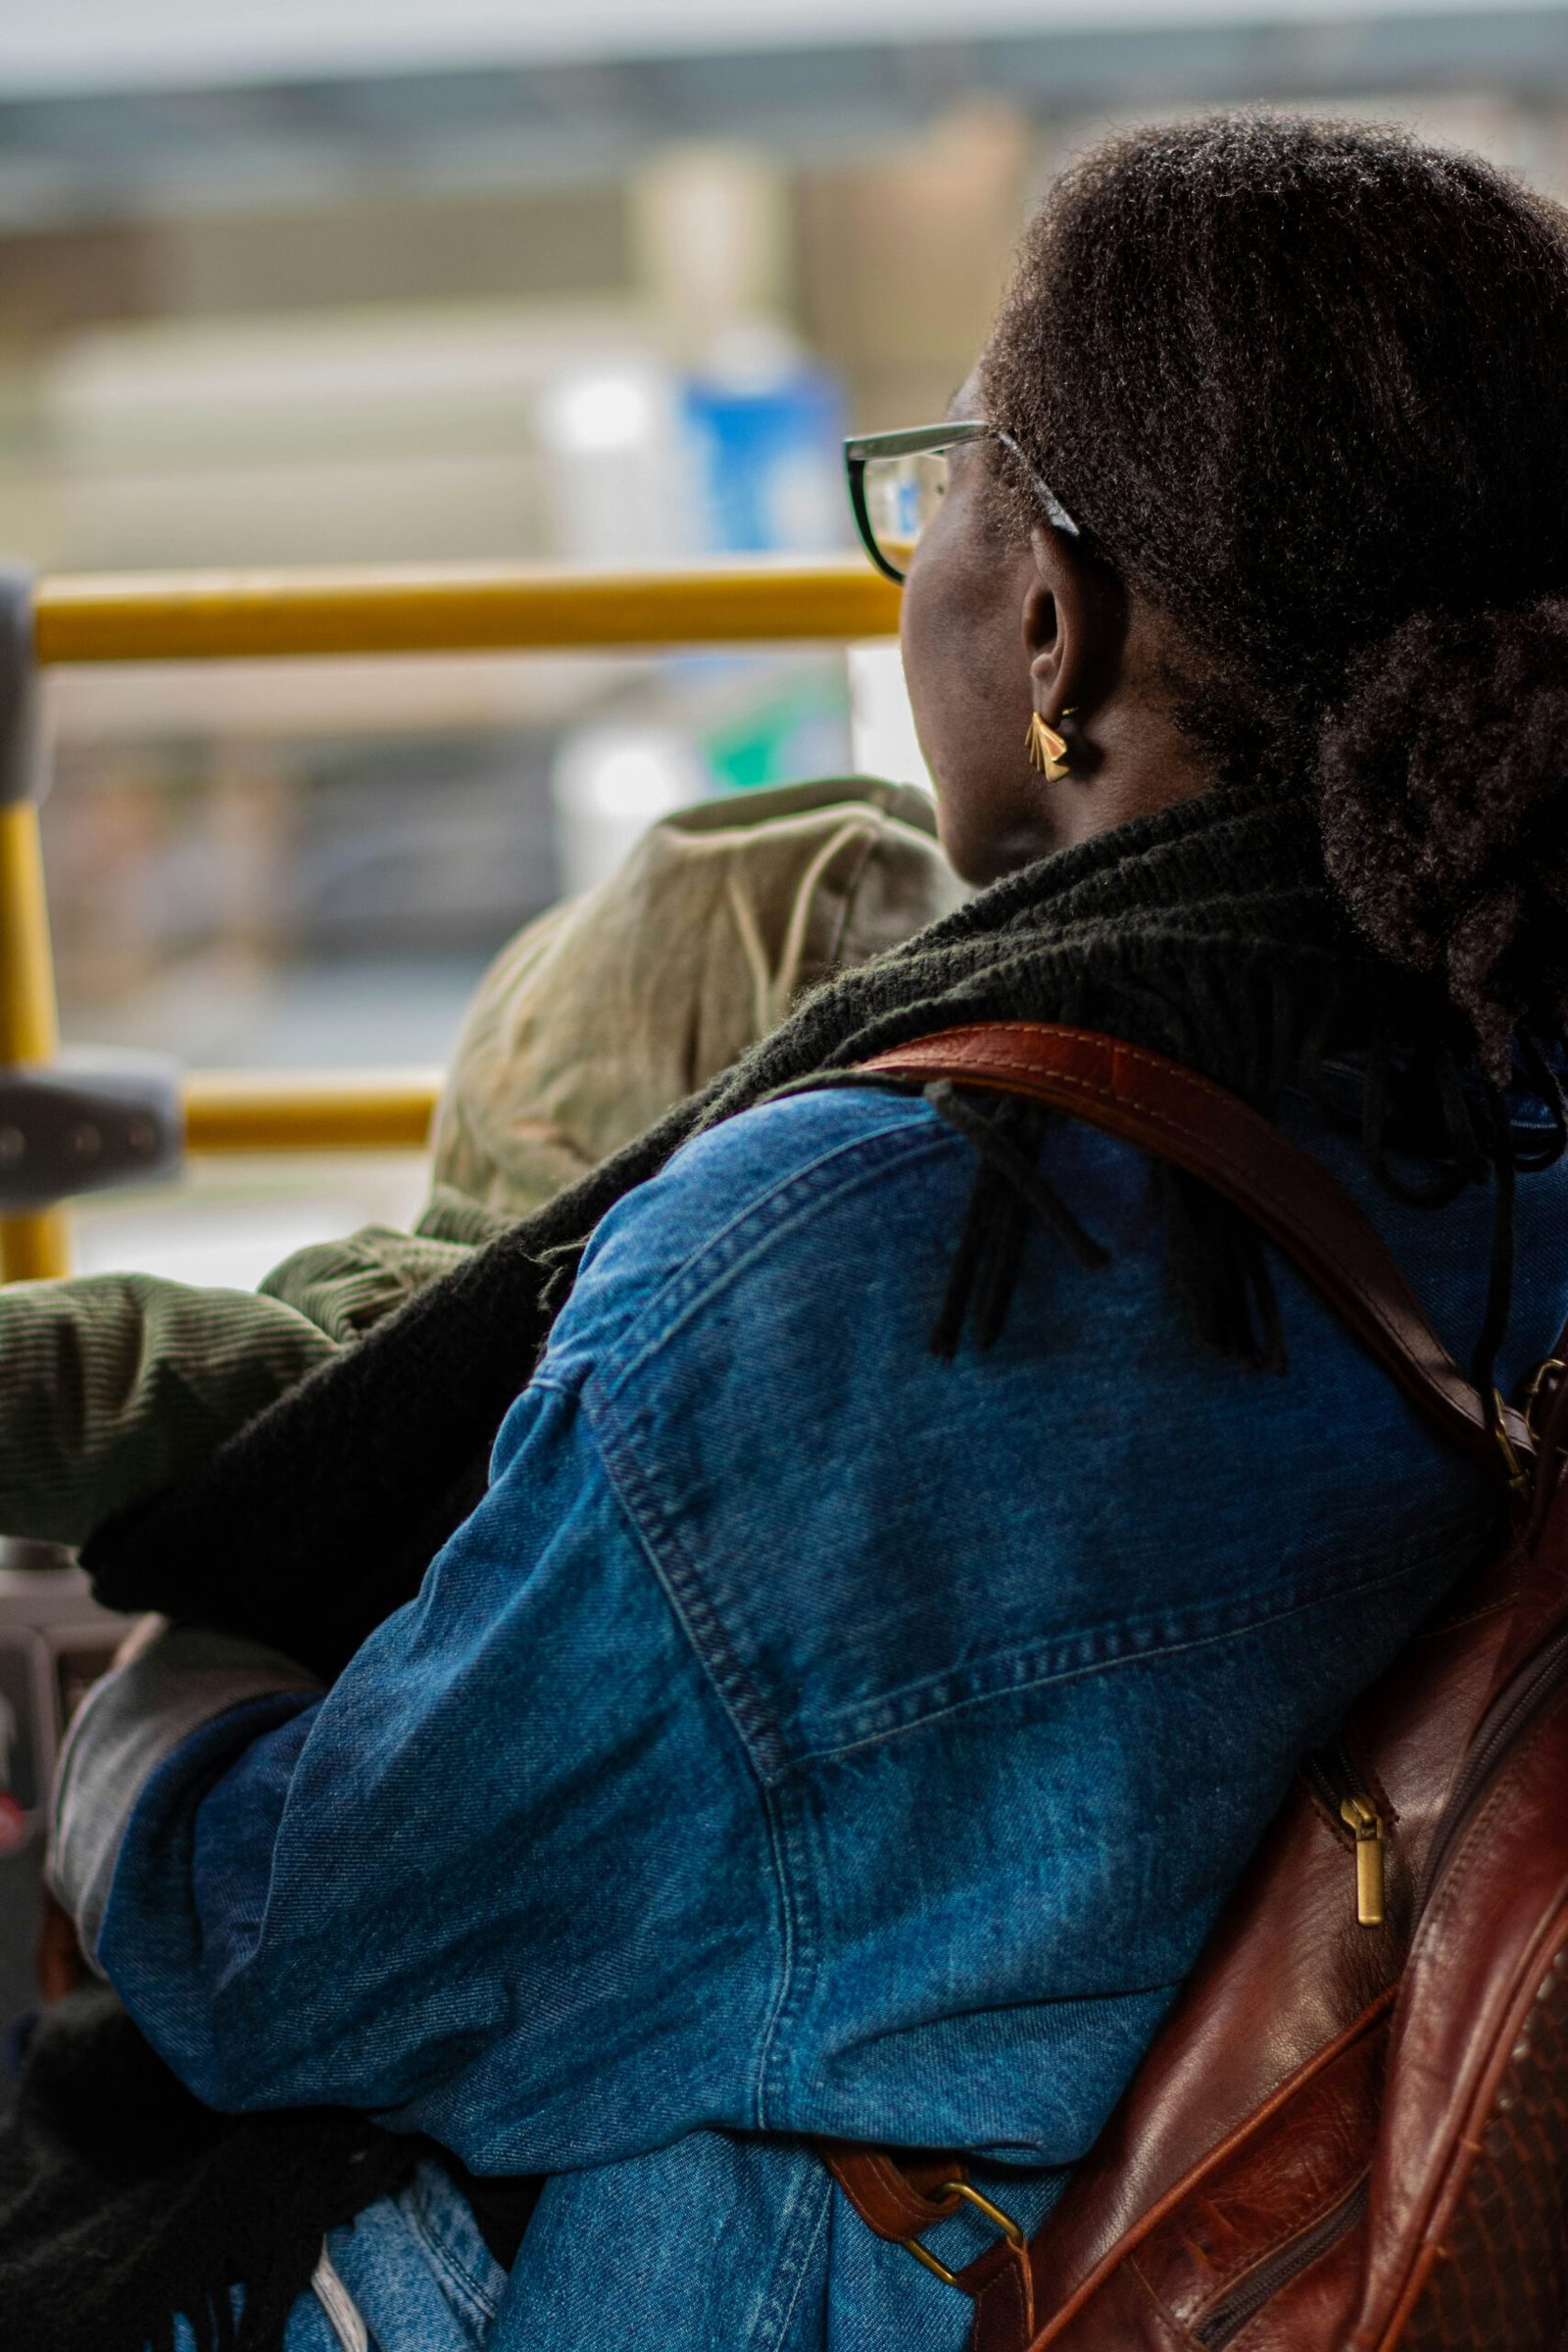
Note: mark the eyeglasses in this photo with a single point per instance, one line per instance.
(899, 480)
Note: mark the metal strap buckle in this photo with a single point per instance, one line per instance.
(1540, 1393)
(1519, 1480)
(1010, 2229)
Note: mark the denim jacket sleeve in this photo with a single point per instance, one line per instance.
(513, 1858)
(516, 1878)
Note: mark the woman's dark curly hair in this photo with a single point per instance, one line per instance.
(1304, 384)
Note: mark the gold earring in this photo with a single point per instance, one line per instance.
(1047, 751)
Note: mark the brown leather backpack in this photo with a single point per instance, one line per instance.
(1352, 2132)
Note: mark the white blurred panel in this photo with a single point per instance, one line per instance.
(881, 722)
(611, 784)
(613, 486)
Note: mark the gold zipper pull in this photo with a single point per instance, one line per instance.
(1362, 1817)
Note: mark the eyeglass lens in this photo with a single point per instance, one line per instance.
(902, 496)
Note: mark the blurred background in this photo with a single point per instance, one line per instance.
(348, 280)
(588, 281)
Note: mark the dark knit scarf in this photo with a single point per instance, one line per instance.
(1207, 932)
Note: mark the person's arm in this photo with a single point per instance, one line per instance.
(113, 1386)
(345, 1286)
(176, 1684)
(514, 1865)
(534, 1875)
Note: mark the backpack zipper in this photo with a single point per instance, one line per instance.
(1505, 1721)
(1230, 2316)
(1342, 1785)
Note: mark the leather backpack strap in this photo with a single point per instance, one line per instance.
(1171, 1112)
(903, 2195)
(1168, 1110)
(897, 2197)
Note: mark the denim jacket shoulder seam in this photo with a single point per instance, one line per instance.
(754, 1228)
(661, 1544)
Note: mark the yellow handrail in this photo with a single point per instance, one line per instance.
(309, 1111)
(257, 615)
(34, 1243)
(245, 616)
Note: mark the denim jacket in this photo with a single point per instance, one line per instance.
(806, 1733)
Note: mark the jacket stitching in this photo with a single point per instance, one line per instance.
(756, 1734)
(755, 1228)
(755, 1723)
(816, 2193)
(741, 1702)
(1156, 1654)
(794, 1940)
(1085, 1648)
(481, 2301)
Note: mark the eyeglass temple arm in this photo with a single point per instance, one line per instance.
(923, 439)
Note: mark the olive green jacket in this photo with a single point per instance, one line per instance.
(594, 1020)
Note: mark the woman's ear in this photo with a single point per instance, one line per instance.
(1074, 627)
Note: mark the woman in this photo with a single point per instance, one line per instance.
(930, 1538)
